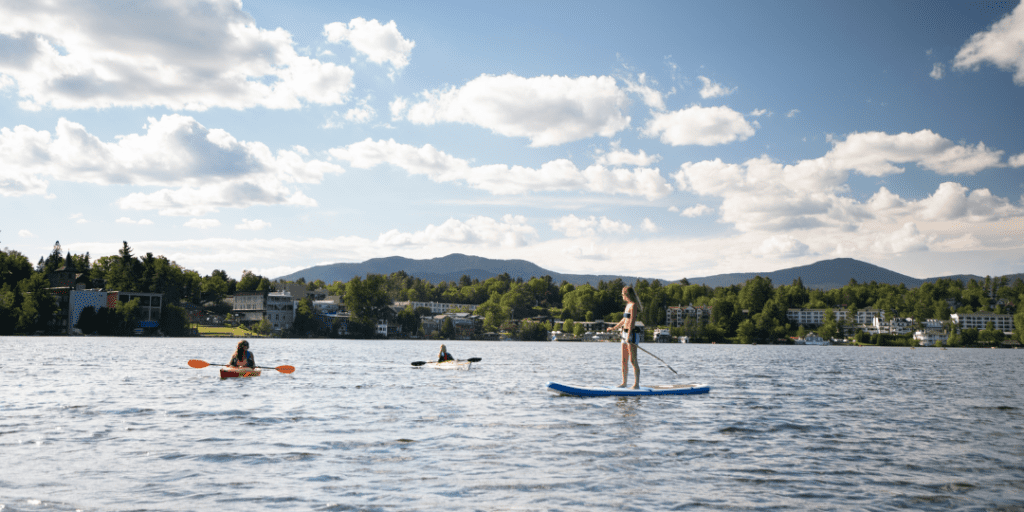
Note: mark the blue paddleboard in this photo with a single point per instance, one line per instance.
(676, 389)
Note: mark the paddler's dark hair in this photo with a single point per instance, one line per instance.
(240, 350)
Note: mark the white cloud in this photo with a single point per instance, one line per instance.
(762, 195)
(704, 126)
(575, 227)
(712, 89)
(361, 114)
(793, 113)
(501, 179)
(1001, 45)
(398, 106)
(205, 169)
(782, 246)
(1017, 160)
(24, 233)
(652, 97)
(953, 202)
(758, 112)
(966, 242)
(83, 54)
(906, 239)
(622, 157)
(649, 226)
(253, 225)
(549, 110)
(510, 231)
(938, 70)
(697, 211)
(877, 153)
(202, 223)
(380, 43)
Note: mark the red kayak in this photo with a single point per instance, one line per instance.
(228, 372)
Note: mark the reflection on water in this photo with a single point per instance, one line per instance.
(125, 424)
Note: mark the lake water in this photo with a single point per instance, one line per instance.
(107, 424)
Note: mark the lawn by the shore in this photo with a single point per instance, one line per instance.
(226, 332)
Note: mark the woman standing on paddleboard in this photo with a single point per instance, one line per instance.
(630, 335)
(242, 357)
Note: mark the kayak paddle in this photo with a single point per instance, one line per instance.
(421, 363)
(196, 363)
(658, 358)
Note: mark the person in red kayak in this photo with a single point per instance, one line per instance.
(242, 357)
(443, 355)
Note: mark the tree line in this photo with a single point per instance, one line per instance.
(750, 312)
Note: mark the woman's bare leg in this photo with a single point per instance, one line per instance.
(636, 367)
(625, 365)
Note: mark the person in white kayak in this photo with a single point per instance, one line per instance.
(631, 336)
(443, 355)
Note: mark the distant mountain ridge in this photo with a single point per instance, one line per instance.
(826, 274)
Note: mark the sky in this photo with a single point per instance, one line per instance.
(655, 139)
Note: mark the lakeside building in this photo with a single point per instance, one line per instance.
(436, 308)
(800, 316)
(150, 306)
(467, 325)
(277, 307)
(299, 291)
(897, 326)
(930, 338)
(675, 316)
(979, 321)
(81, 299)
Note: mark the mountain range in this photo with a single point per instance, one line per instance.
(826, 274)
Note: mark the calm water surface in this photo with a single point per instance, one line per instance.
(98, 424)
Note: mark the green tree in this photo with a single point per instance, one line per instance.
(447, 328)
(747, 331)
(263, 327)
(533, 331)
(8, 311)
(214, 286)
(569, 326)
(409, 320)
(87, 321)
(755, 294)
(37, 308)
(367, 299)
(174, 321)
(305, 323)
(253, 283)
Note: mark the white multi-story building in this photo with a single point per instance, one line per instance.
(280, 310)
(81, 299)
(277, 307)
(800, 316)
(898, 326)
(436, 308)
(980, 321)
(930, 338)
(676, 315)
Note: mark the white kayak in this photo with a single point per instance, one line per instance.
(673, 389)
(451, 365)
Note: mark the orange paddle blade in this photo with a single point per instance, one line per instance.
(195, 363)
(285, 369)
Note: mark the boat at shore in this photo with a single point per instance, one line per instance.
(663, 336)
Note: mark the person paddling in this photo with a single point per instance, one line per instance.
(630, 335)
(242, 358)
(443, 355)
